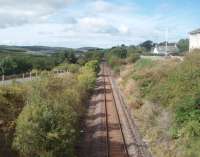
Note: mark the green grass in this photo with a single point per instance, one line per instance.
(143, 63)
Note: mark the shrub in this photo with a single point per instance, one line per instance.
(144, 63)
(45, 127)
(49, 123)
(148, 73)
(93, 66)
(170, 111)
(133, 57)
(179, 90)
(73, 68)
(12, 100)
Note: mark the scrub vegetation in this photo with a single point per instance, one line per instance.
(164, 95)
(41, 118)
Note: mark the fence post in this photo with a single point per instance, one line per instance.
(30, 75)
(3, 77)
(23, 75)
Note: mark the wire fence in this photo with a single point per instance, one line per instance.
(29, 75)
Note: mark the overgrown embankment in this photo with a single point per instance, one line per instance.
(12, 100)
(48, 113)
(165, 97)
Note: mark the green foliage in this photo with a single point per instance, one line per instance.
(118, 56)
(171, 88)
(49, 123)
(133, 57)
(12, 100)
(20, 62)
(7, 65)
(70, 56)
(93, 66)
(51, 126)
(191, 148)
(147, 45)
(120, 52)
(73, 68)
(144, 63)
(176, 86)
(183, 45)
(90, 55)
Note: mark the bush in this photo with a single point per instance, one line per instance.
(49, 123)
(170, 113)
(148, 73)
(51, 128)
(93, 66)
(133, 57)
(12, 100)
(73, 68)
(178, 89)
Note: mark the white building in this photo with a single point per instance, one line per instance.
(195, 39)
(163, 49)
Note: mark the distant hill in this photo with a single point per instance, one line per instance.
(31, 49)
(85, 49)
(41, 50)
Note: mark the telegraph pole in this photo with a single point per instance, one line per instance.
(166, 40)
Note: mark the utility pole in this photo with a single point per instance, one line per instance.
(166, 40)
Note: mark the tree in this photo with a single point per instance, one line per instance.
(23, 65)
(120, 52)
(133, 49)
(8, 66)
(70, 55)
(147, 45)
(183, 45)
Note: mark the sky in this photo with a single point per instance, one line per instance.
(97, 23)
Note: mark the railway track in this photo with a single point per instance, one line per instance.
(110, 129)
(115, 139)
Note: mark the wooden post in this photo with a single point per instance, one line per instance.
(23, 75)
(30, 75)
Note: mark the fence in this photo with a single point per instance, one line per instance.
(29, 75)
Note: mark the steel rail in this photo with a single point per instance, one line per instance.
(106, 111)
(118, 117)
(131, 125)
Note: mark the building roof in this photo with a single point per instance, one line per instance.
(195, 31)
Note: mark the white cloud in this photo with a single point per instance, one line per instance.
(82, 23)
(92, 23)
(18, 12)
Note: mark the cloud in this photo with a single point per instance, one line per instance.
(14, 13)
(104, 7)
(75, 23)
